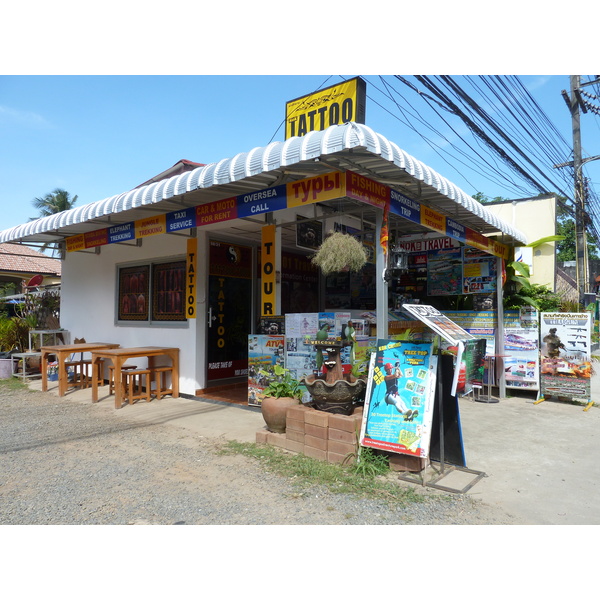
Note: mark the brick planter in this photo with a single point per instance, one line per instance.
(324, 436)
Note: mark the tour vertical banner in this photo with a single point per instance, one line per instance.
(191, 279)
(268, 302)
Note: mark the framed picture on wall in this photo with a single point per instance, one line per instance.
(168, 291)
(133, 293)
(309, 234)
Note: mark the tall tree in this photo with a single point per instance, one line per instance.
(566, 250)
(56, 201)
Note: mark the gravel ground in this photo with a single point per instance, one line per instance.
(63, 463)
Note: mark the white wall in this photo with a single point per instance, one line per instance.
(536, 218)
(88, 305)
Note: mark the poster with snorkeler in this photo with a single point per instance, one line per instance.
(399, 401)
(566, 367)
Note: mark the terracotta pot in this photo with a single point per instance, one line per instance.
(274, 411)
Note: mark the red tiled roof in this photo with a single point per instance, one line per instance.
(17, 258)
(181, 166)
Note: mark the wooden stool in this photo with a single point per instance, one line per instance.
(80, 377)
(111, 376)
(133, 388)
(160, 379)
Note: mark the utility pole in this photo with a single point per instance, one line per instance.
(575, 102)
(580, 237)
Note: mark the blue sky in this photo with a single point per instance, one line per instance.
(82, 106)
(97, 136)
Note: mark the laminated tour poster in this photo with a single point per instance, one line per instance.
(264, 352)
(444, 327)
(566, 366)
(444, 272)
(521, 350)
(399, 401)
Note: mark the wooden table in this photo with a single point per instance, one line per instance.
(118, 356)
(62, 352)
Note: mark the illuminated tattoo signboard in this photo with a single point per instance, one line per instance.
(337, 104)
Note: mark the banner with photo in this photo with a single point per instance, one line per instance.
(566, 366)
(472, 366)
(444, 272)
(399, 401)
(447, 329)
(521, 349)
(480, 324)
(479, 272)
(264, 352)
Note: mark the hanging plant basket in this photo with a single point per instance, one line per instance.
(340, 252)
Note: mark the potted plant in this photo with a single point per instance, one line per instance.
(13, 338)
(282, 392)
(340, 252)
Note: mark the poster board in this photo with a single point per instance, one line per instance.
(399, 400)
(264, 352)
(565, 351)
(301, 329)
(444, 272)
(472, 366)
(479, 272)
(480, 324)
(445, 328)
(439, 322)
(521, 350)
(446, 429)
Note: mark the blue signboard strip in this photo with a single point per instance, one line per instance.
(456, 230)
(405, 207)
(181, 219)
(121, 233)
(262, 201)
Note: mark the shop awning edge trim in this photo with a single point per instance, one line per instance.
(260, 160)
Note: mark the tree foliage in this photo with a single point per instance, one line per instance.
(567, 249)
(521, 292)
(483, 199)
(56, 201)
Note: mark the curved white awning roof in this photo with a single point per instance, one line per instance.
(351, 146)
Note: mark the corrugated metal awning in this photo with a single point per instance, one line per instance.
(350, 146)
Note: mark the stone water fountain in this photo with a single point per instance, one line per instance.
(333, 391)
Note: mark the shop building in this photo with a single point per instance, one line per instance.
(195, 260)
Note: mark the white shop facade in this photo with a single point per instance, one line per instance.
(195, 260)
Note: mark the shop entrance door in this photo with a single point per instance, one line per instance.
(229, 311)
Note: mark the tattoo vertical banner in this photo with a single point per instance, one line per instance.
(191, 279)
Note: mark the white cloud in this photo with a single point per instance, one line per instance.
(23, 118)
